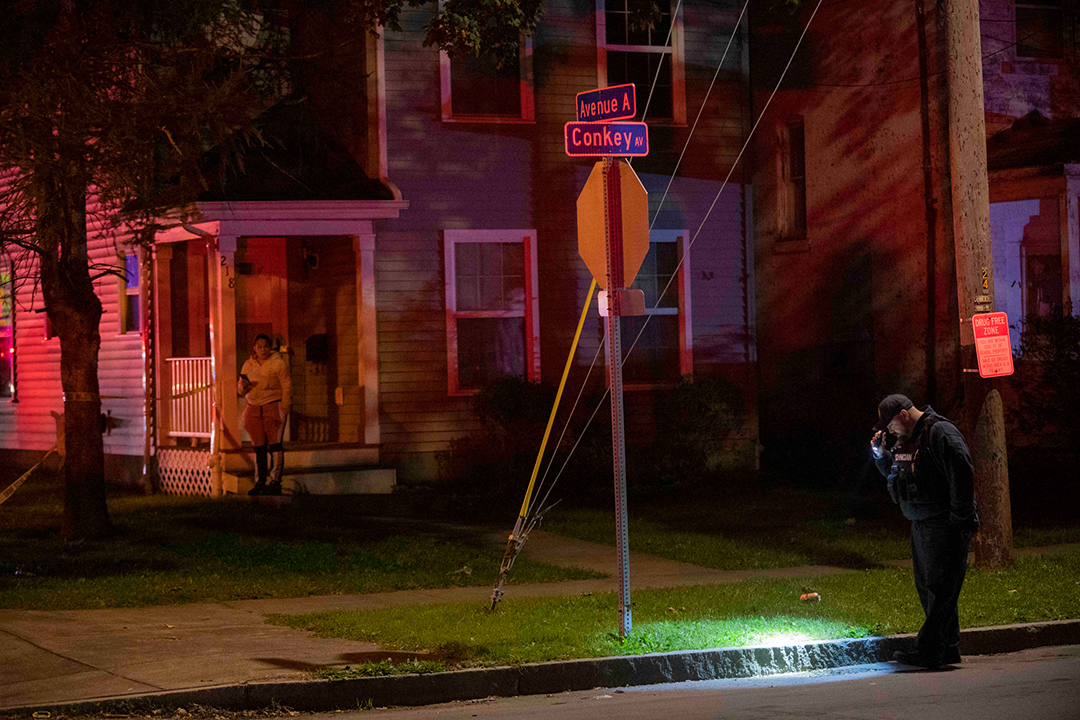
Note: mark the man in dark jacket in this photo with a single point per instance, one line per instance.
(930, 476)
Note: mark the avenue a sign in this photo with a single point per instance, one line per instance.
(618, 102)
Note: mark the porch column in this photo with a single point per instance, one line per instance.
(162, 257)
(225, 355)
(223, 330)
(367, 343)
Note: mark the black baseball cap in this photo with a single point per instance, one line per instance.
(889, 408)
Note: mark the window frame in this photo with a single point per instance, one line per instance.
(678, 76)
(790, 231)
(683, 310)
(528, 111)
(1018, 42)
(530, 312)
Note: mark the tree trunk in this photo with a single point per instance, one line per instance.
(74, 310)
(983, 419)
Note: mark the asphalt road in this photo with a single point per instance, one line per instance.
(1039, 684)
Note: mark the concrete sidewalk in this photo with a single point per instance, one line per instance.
(226, 655)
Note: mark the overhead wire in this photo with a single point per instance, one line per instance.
(697, 233)
(663, 199)
(536, 512)
(913, 78)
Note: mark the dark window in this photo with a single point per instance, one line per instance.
(641, 69)
(793, 169)
(490, 276)
(640, 56)
(129, 312)
(1040, 28)
(655, 274)
(489, 311)
(489, 348)
(620, 30)
(480, 88)
(656, 354)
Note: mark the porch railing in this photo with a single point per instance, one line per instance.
(190, 399)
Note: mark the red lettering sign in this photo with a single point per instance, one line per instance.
(992, 345)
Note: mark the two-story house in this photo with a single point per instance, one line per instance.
(414, 238)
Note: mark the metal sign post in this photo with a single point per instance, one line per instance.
(619, 244)
(613, 346)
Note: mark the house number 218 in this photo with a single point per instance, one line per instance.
(225, 264)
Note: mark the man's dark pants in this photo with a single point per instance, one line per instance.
(939, 557)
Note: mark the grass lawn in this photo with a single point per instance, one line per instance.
(854, 604)
(781, 528)
(170, 550)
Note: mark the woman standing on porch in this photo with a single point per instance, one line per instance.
(265, 384)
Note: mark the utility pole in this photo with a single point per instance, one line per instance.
(984, 417)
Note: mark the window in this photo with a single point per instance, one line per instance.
(664, 351)
(1027, 241)
(792, 196)
(626, 54)
(492, 312)
(1040, 29)
(7, 334)
(477, 89)
(130, 322)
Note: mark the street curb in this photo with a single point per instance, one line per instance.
(562, 676)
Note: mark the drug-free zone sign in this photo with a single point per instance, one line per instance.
(992, 345)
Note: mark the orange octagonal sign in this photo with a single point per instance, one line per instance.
(592, 227)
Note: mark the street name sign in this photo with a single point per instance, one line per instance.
(992, 345)
(618, 102)
(590, 139)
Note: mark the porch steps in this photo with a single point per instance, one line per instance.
(322, 481)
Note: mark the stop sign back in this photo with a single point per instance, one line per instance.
(592, 231)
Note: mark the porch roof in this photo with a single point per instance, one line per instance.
(298, 161)
(1034, 141)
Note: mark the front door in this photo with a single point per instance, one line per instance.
(262, 304)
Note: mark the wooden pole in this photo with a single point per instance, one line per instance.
(983, 412)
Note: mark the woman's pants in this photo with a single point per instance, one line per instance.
(263, 424)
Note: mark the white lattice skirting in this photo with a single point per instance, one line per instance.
(185, 472)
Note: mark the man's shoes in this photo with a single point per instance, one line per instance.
(917, 659)
(272, 488)
(951, 657)
(259, 489)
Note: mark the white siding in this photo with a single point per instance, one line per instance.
(28, 424)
